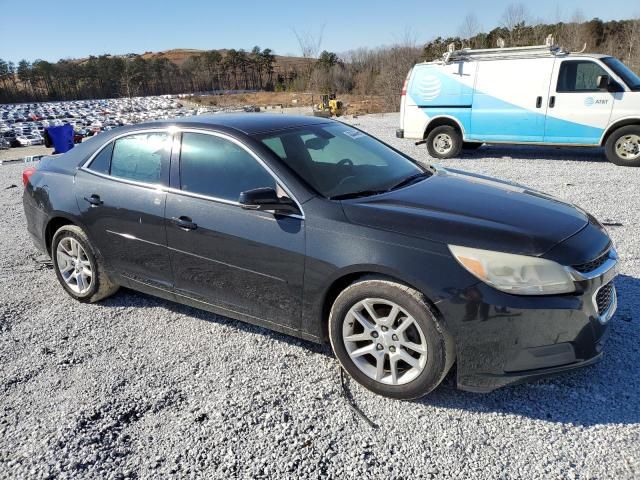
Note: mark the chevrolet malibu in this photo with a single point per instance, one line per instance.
(313, 228)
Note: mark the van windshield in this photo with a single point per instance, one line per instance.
(624, 72)
(341, 162)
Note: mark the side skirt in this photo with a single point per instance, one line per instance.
(225, 312)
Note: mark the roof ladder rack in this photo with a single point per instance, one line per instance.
(546, 50)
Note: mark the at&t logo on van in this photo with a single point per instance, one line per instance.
(595, 101)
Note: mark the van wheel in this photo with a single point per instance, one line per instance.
(444, 142)
(623, 146)
(471, 145)
(388, 339)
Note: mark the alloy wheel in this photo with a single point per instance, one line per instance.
(74, 265)
(384, 341)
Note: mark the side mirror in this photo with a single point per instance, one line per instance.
(603, 82)
(266, 199)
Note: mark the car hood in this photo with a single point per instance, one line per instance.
(460, 208)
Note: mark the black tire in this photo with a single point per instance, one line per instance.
(449, 132)
(440, 348)
(101, 286)
(610, 146)
(471, 145)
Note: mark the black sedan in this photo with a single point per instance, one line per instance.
(313, 228)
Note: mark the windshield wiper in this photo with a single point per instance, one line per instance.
(409, 180)
(362, 193)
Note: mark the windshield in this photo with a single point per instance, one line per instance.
(624, 72)
(341, 162)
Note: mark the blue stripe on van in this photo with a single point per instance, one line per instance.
(492, 119)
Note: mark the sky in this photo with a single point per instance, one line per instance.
(40, 29)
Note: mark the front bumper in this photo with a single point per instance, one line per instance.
(504, 339)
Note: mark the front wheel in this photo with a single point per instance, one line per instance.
(444, 142)
(623, 146)
(387, 338)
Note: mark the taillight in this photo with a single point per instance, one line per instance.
(26, 174)
(404, 85)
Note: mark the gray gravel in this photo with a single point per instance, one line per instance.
(139, 387)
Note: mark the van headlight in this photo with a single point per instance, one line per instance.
(517, 274)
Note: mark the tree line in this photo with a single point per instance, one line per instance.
(108, 76)
(379, 71)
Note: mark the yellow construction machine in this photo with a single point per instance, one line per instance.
(329, 106)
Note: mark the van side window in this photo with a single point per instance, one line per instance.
(579, 76)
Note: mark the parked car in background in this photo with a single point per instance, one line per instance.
(22, 141)
(524, 95)
(314, 228)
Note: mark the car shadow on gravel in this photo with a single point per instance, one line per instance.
(523, 152)
(127, 298)
(606, 393)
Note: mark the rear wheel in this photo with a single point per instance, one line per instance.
(444, 142)
(623, 146)
(79, 270)
(386, 337)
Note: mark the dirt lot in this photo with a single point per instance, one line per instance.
(137, 387)
(354, 104)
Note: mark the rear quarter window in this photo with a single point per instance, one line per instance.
(102, 162)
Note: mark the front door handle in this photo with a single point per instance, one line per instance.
(184, 223)
(538, 102)
(552, 101)
(94, 200)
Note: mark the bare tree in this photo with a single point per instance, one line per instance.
(309, 48)
(394, 63)
(129, 81)
(574, 32)
(514, 18)
(631, 36)
(469, 29)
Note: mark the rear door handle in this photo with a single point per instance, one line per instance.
(538, 102)
(552, 101)
(185, 223)
(94, 200)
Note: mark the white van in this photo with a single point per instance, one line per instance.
(524, 95)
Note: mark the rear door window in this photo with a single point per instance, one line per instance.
(139, 157)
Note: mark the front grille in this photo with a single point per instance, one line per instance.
(593, 264)
(604, 297)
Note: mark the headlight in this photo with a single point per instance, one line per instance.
(517, 274)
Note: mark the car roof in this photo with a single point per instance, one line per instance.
(248, 123)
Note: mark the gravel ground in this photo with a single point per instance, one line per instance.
(136, 387)
(21, 152)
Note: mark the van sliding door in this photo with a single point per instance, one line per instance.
(510, 100)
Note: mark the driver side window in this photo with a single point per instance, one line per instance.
(218, 168)
(579, 76)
